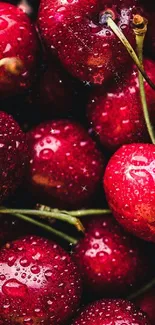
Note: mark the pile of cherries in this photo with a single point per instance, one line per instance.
(77, 159)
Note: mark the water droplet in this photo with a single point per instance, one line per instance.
(35, 269)
(23, 275)
(2, 277)
(24, 262)
(28, 321)
(14, 288)
(11, 260)
(48, 274)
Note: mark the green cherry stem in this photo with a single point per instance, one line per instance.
(141, 291)
(129, 48)
(46, 215)
(140, 29)
(47, 228)
(89, 212)
(76, 213)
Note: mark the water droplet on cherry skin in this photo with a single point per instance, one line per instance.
(35, 269)
(14, 288)
(24, 262)
(48, 274)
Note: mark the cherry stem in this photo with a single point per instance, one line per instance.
(117, 31)
(46, 215)
(140, 29)
(75, 213)
(143, 290)
(12, 65)
(47, 228)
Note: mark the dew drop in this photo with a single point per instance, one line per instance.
(11, 260)
(24, 262)
(35, 269)
(48, 274)
(14, 288)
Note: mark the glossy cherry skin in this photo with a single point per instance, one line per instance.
(109, 312)
(87, 48)
(129, 183)
(39, 283)
(115, 111)
(17, 39)
(13, 155)
(65, 165)
(100, 254)
(111, 261)
(146, 302)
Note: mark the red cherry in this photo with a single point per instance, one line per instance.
(13, 155)
(39, 283)
(18, 40)
(146, 302)
(65, 165)
(129, 183)
(99, 256)
(85, 45)
(115, 112)
(109, 312)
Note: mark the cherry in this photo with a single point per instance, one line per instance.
(13, 155)
(109, 312)
(17, 40)
(86, 46)
(115, 111)
(39, 283)
(129, 183)
(99, 256)
(65, 165)
(146, 302)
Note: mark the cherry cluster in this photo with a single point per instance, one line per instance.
(77, 157)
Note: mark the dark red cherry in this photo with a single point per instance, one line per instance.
(77, 31)
(115, 111)
(39, 283)
(129, 183)
(111, 312)
(111, 261)
(65, 165)
(13, 155)
(18, 40)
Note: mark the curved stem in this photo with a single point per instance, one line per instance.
(47, 215)
(140, 36)
(129, 48)
(139, 292)
(46, 228)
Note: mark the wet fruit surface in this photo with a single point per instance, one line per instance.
(115, 111)
(99, 256)
(111, 312)
(17, 39)
(13, 155)
(84, 44)
(39, 283)
(65, 164)
(129, 183)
